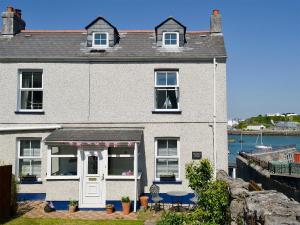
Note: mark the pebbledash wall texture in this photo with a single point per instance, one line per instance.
(86, 87)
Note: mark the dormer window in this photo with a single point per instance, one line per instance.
(100, 40)
(170, 39)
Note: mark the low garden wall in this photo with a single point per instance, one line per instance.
(267, 207)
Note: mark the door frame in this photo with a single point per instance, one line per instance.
(80, 168)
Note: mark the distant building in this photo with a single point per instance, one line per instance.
(274, 114)
(232, 123)
(291, 114)
(287, 125)
(255, 127)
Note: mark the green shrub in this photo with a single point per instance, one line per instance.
(172, 218)
(198, 173)
(214, 203)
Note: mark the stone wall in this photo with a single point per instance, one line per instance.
(267, 207)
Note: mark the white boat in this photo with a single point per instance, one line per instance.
(261, 147)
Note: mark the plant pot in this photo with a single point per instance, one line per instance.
(109, 209)
(72, 208)
(126, 208)
(144, 201)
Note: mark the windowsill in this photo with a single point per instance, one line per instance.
(167, 182)
(36, 112)
(120, 177)
(166, 111)
(30, 182)
(62, 178)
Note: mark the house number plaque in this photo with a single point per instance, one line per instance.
(196, 155)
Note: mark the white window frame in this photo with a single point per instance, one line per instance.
(61, 177)
(166, 87)
(100, 46)
(171, 45)
(108, 176)
(20, 89)
(167, 157)
(28, 157)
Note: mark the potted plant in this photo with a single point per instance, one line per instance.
(125, 205)
(109, 208)
(73, 206)
(144, 201)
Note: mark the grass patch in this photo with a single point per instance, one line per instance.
(29, 221)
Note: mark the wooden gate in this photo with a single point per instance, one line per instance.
(5, 191)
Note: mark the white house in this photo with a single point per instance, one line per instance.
(100, 113)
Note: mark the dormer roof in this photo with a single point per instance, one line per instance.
(170, 25)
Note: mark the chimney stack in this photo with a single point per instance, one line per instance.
(216, 22)
(12, 22)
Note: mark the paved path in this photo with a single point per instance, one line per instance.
(35, 209)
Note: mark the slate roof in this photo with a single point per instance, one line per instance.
(94, 135)
(135, 46)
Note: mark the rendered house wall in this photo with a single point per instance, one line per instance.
(118, 95)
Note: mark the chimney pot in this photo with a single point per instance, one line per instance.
(12, 22)
(10, 9)
(216, 12)
(216, 22)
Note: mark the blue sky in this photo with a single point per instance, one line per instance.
(262, 39)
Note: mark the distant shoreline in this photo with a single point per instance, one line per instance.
(266, 132)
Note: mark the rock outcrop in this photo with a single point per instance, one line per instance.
(259, 207)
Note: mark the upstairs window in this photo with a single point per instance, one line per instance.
(100, 39)
(31, 91)
(171, 39)
(166, 91)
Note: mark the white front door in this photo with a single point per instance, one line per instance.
(92, 180)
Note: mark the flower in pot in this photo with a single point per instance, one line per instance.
(72, 206)
(144, 201)
(125, 205)
(109, 208)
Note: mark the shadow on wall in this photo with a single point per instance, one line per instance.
(142, 165)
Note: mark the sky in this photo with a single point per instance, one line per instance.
(262, 40)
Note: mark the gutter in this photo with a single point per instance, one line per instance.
(51, 127)
(100, 59)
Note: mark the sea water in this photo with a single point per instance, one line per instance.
(249, 143)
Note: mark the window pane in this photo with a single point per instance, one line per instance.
(103, 36)
(161, 99)
(25, 148)
(64, 166)
(166, 167)
(37, 100)
(97, 42)
(172, 147)
(97, 36)
(30, 167)
(26, 97)
(24, 167)
(161, 167)
(173, 167)
(172, 99)
(36, 167)
(120, 151)
(26, 80)
(120, 166)
(37, 80)
(173, 36)
(173, 42)
(161, 79)
(92, 165)
(64, 150)
(103, 42)
(162, 149)
(35, 146)
(171, 78)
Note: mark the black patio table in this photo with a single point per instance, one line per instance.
(176, 197)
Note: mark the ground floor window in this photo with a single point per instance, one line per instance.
(63, 161)
(29, 157)
(166, 158)
(120, 161)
